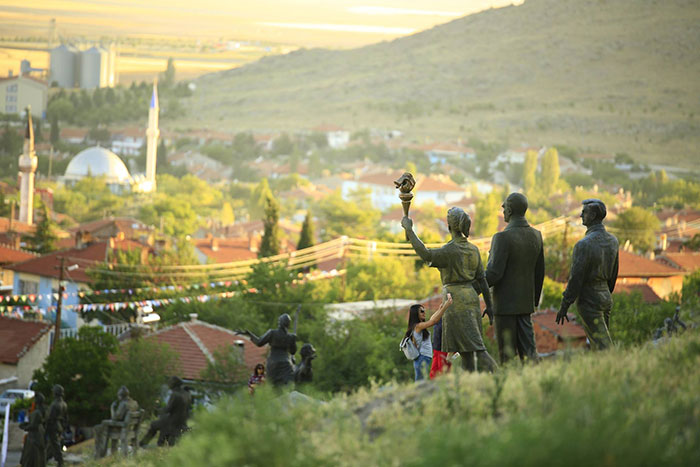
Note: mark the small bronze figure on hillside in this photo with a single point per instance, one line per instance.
(283, 346)
(303, 373)
(516, 272)
(594, 266)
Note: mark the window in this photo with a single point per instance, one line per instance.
(10, 109)
(10, 98)
(28, 287)
(12, 88)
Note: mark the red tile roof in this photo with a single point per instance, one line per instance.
(196, 341)
(17, 226)
(648, 294)
(385, 178)
(326, 128)
(48, 265)
(74, 133)
(9, 254)
(632, 265)
(127, 225)
(437, 183)
(569, 330)
(225, 250)
(686, 261)
(18, 336)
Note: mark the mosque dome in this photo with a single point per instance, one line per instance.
(98, 162)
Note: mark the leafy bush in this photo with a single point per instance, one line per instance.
(620, 407)
(633, 321)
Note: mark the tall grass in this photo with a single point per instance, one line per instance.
(638, 406)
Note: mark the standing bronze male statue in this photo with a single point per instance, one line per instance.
(283, 346)
(460, 267)
(593, 275)
(172, 421)
(56, 422)
(516, 272)
(34, 449)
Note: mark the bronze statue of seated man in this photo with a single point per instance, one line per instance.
(118, 411)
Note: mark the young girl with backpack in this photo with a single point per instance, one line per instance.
(418, 332)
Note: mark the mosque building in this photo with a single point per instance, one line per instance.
(97, 161)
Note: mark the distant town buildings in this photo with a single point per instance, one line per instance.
(19, 92)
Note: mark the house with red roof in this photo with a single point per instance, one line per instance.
(687, 261)
(196, 342)
(661, 278)
(10, 255)
(647, 293)
(37, 278)
(24, 346)
(550, 336)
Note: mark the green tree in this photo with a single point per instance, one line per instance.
(167, 78)
(178, 217)
(82, 366)
(44, 239)
(270, 243)
(638, 225)
(61, 109)
(355, 217)
(55, 133)
(258, 199)
(227, 216)
(306, 239)
(228, 367)
(142, 365)
(486, 216)
(550, 171)
(529, 171)
(282, 145)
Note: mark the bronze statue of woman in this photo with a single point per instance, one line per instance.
(283, 345)
(462, 274)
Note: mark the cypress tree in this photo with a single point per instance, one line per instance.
(529, 171)
(44, 239)
(270, 244)
(306, 239)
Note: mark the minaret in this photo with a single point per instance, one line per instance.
(152, 134)
(27, 167)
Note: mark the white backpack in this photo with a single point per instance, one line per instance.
(409, 349)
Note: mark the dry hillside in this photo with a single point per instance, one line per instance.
(600, 75)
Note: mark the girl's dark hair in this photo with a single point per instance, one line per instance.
(414, 319)
(259, 366)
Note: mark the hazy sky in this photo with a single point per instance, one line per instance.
(332, 23)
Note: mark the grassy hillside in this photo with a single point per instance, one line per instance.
(621, 407)
(600, 75)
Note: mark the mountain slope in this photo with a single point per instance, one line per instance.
(606, 75)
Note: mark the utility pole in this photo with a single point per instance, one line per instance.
(57, 331)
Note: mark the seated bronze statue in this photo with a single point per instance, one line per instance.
(119, 411)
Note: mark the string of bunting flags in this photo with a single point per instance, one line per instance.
(19, 310)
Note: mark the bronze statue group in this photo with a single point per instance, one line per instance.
(45, 427)
(515, 274)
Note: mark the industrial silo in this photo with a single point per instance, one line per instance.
(63, 64)
(92, 68)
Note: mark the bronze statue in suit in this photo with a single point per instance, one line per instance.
(594, 266)
(515, 270)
